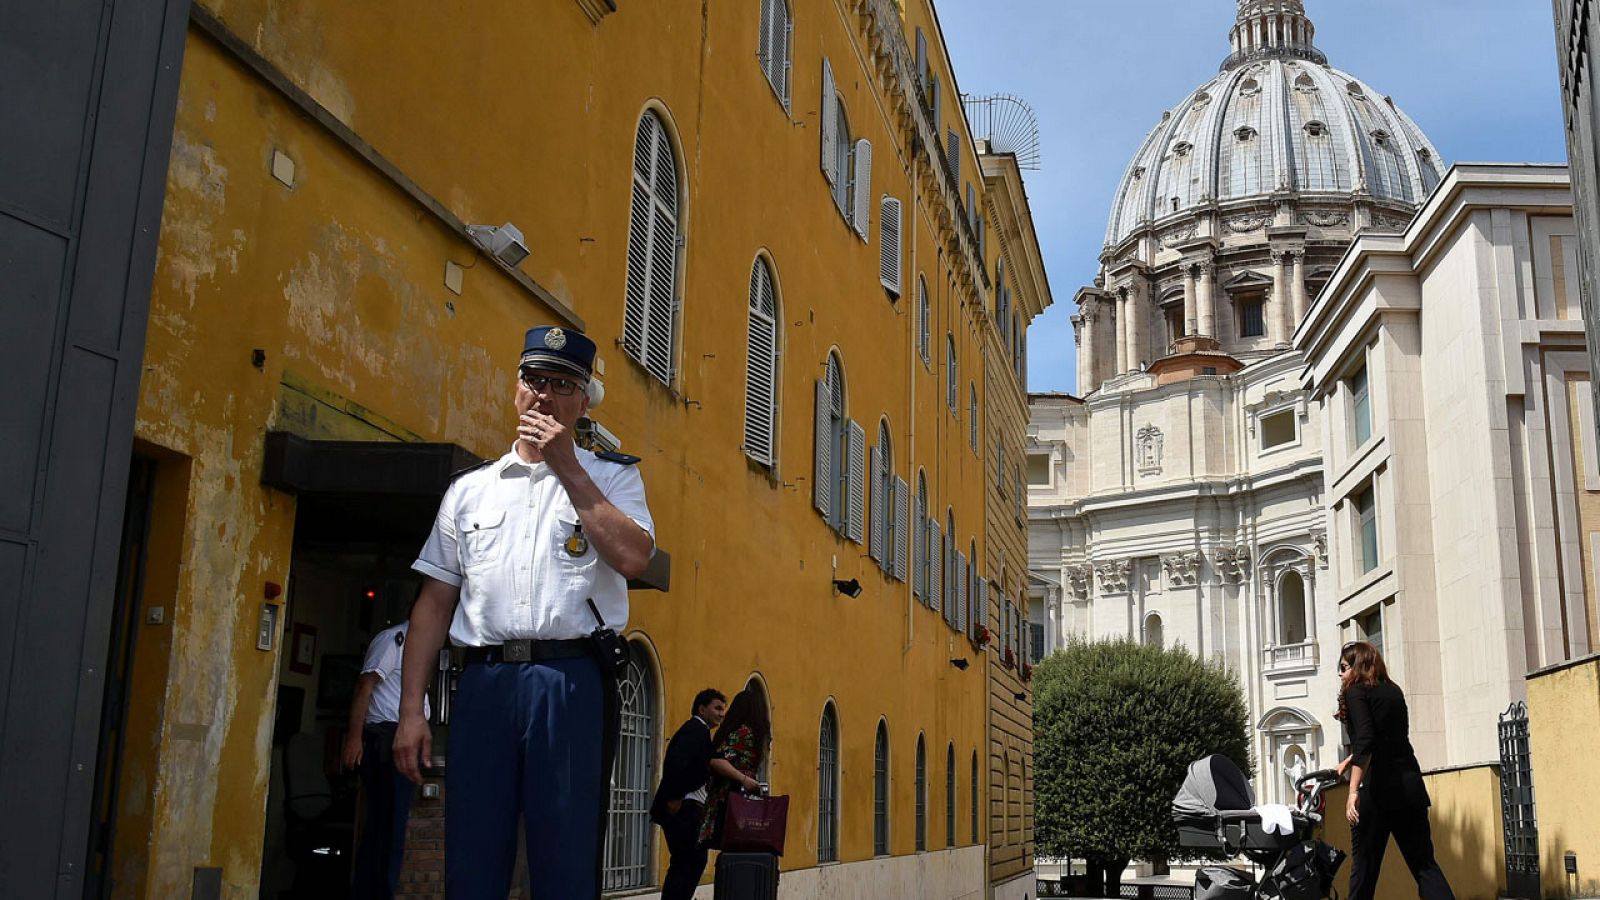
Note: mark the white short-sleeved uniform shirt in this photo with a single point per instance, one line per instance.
(383, 658)
(501, 536)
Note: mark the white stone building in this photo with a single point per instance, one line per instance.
(1182, 500)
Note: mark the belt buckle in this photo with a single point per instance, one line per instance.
(517, 651)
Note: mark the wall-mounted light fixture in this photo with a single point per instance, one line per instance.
(504, 242)
(959, 662)
(851, 588)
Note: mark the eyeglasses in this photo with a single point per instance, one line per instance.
(539, 384)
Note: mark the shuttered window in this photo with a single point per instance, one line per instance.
(920, 586)
(952, 157)
(902, 528)
(935, 566)
(972, 414)
(777, 31)
(889, 249)
(846, 162)
(884, 538)
(950, 796)
(975, 610)
(650, 319)
(924, 322)
(974, 788)
(829, 462)
(952, 380)
(959, 620)
(855, 486)
(761, 367)
(947, 564)
(861, 188)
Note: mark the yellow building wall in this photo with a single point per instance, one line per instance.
(1467, 837)
(1564, 732)
(527, 113)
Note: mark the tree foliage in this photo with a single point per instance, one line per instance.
(1116, 725)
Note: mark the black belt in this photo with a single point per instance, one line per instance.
(527, 651)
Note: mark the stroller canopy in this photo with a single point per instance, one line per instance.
(1214, 784)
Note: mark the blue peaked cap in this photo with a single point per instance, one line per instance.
(554, 347)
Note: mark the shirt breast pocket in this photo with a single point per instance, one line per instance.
(575, 555)
(482, 534)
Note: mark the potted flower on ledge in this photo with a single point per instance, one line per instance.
(982, 638)
(1027, 672)
(1010, 659)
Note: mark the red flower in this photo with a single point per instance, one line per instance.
(1011, 659)
(983, 635)
(1027, 672)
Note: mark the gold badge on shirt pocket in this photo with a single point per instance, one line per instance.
(576, 545)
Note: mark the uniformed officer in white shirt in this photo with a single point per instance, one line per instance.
(369, 744)
(519, 548)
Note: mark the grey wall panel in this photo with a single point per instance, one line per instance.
(48, 60)
(31, 263)
(13, 570)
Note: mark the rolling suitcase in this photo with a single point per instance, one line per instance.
(746, 876)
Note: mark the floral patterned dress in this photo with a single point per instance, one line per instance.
(740, 750)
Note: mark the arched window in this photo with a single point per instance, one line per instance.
(828, 787)
(950, 796)
(924, 322)
(1153, 635)
(1292, 609)
(846, 163)
(975, 606)
(951, 381)
(839, 473)
(922, 795)
(885, 533)
(841, 158)
(761, 367)
(774, 48)
(628, 854)
(972, 414)
(920, 562)
(880, 791)
(973, 786)
(650, 320)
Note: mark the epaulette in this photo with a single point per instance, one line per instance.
(473, 468)
(621, 459)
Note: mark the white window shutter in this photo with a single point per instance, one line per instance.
(785, 44)
(764, 47)
(830, 125)
(875, 543)
(822, 450)
(761, 367)
(934, 106)
(889, 245)
(858, 481)
(935, 565)
(861, 208)
(960, 621)
(950, 581)
(922, 63)
(902, 521)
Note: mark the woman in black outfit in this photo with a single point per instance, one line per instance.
(1387, 796)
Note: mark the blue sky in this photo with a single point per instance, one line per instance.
(1478, 76)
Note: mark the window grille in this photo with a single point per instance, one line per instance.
(951, 381)
(972, 415)
(924, 322)
(973, 786)
(761, 367)
(950, 796)
(628, 852)
(922, 795)
(649, 328)
(880, 792)
(828, 789)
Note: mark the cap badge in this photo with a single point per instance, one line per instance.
(555, 339)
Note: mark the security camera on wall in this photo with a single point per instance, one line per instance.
(504, 243)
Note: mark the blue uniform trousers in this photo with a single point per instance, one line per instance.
(387, 797)
(525, 738)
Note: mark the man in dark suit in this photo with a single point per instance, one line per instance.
(681, 797)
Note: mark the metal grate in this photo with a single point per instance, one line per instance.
(880, 793)
(628, 832)
(1516, 803)
(828, 789)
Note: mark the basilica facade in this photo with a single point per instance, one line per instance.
(1183, 497)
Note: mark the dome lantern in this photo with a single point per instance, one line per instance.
(1272, 28)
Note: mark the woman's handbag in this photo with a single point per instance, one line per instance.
(755, 824)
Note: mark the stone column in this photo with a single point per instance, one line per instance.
(1301, 301)
(1136, 336)
(1122, 332)
(1088, 349)
(1191, 309)
(1207, 299)
(1278, 310)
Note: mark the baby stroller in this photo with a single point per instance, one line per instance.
(1215, 810)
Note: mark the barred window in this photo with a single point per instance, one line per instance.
(922, 795)
(924, 322)
(950, 796)
(828, 788)
(628, 853)
(761, 367)
(880, 791)
(650, 319)
(951, 381)
(973, 785)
